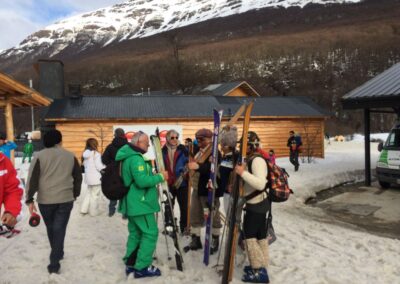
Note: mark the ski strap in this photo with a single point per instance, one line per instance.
(255, 193)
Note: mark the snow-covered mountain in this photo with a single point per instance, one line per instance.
(135, 19)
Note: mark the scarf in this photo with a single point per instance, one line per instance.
(171, 153)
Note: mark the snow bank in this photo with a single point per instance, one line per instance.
(309, 249)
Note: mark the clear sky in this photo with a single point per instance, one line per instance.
(20, 18)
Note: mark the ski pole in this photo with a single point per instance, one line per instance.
(223, 234)
(165, 228)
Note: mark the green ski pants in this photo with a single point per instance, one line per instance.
(143, 234)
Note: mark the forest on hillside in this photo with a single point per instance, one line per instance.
(320, 52)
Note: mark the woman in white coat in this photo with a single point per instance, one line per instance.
(93, 166)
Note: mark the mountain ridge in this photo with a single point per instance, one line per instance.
(135, 19)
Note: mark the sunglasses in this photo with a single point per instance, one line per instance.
(173, 138)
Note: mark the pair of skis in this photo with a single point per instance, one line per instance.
(212, 181)
(170, 228)
(212, 186)
(235, 212)
(229, 124)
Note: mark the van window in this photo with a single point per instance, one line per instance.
(393, 140)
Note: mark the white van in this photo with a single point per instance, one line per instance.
(388, 166)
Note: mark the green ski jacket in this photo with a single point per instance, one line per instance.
(142, 197)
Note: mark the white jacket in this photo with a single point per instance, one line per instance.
(257, 180)
(93, 166)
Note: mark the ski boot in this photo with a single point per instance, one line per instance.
(195, 244)
(129, 270)
(256, 275)
(150, 271)
(214, 244)
(247, 268)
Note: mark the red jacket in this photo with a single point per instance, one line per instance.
(10, 188)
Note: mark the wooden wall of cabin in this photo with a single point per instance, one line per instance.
(273, 133)
(238, 92)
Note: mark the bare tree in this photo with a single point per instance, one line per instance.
(309, 139)
(100, 133)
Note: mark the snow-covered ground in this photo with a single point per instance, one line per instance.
(306, 251)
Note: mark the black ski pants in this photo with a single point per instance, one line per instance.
(181, 195)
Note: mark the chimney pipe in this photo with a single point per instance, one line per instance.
(51, 78)
(74, 90)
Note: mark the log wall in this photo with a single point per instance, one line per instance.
(273, 132)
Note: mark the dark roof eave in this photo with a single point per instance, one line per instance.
(367, 103)
(71, 119)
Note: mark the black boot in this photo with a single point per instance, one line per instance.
(195, 244)
(214, 244)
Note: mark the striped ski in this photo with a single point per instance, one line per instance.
(212, 186)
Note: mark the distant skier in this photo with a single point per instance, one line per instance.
(294, 143)
(28, 151)
(139, 205)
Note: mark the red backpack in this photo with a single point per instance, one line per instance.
(278, 185)
(279, 190)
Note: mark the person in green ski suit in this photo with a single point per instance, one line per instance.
(140, 206)
(28, 151)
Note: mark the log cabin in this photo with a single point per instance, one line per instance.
(81, 117)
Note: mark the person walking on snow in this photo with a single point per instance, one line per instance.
(175, 158)
(93, 166)
(55, 174)
(140, 205)
(254, 175)
(109, 157)
(294, 143)
(28, 151)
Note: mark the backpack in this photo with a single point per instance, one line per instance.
(299, 143)
(277, 184)
(279, 190)
(112, 184)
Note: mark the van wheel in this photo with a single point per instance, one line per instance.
(384, 184)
